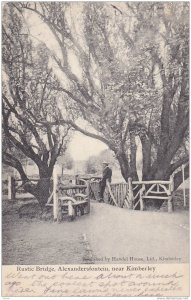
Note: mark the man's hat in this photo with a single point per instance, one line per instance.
(105, 163)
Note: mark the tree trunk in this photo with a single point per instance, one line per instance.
(43, 191)
(146, 150)
(124, 165)
(133, 148)
(40, 191)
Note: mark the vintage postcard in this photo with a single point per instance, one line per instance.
(95, 149)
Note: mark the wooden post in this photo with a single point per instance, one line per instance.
(71, 212)
(172, 183)
(110, 192)
(130, 192)
(77, 179)
(170, 196)
(59, 214)
(88, 196)
(142, 205)
(170, 205)
(11, 188)
(183, 183)
(55, 195)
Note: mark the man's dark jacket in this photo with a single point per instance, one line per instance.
(107, 173)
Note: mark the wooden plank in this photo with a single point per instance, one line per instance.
(121, 195)
(117, 195)
(123, 200)
(59, 214)
(170, 204)
(67, 198)
(151, 182)
(9, 185)
(50, 198)
(168, 192)
(141, 197)
(88, 196)
(136, 195)
(71, 187)
(55, 196)
(183, 185)
(136, 204)
(111, 194)
(126, 203)
(130, 189)
(134, 188)
(71, 211)
(160, 192)
(150, 189)
(77, 203)
(155, 197)
(95, 188)
(80, 195)
(11, 188)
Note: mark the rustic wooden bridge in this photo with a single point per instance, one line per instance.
(74, 199)
(135, 194)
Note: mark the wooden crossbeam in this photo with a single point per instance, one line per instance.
(134, 188)
(50, 198)
(150, 189)
(159, 192)
(127, 204)
(136, 204)
(155, 197)
(151, 182)
(165, 189)
(183, 185)
(136, 195)
(111, 194)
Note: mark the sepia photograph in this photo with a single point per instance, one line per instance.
(95, 136)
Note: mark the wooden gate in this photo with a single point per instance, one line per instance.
(155, 190)
(117, 194)
(135, 194)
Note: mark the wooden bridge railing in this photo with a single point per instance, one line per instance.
(135, 194)
(12, 187)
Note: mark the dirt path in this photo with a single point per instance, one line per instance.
(118, 233)
(107, 232)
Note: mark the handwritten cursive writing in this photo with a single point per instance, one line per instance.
(157, 282)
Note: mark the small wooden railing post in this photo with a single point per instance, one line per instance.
(111, 194)
(59, 212)
(55, 195)
(76, 179)
(130, 192)
(142, 205)
(170, 196)
(88, 196)
(71, 211)
(183, 185)
(11, 188)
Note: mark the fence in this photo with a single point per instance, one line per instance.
(69, 197)
(131, 195)
(135, 194)
(12, 187)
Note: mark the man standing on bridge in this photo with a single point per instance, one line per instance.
(107, 173)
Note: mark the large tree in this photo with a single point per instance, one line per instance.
(29, 94)
(132, 77)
